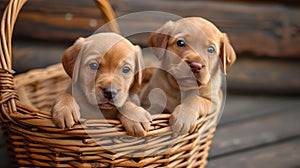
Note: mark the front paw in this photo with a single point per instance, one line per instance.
(65, 111)
(135, 128)
(183, 120)
(137, 123)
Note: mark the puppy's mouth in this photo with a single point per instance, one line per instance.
(199, 79)
(105, 103)
(199, 72)
(191, 80)
(107, 106)
(107, 98)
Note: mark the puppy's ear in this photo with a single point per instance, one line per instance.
(159, 40)
(139, 65)
(70, 56)
(227, 54)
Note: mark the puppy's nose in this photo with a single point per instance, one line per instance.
(109, 92)
(196, 67)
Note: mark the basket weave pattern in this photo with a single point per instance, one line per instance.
(34, 141)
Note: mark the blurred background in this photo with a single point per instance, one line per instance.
(260, 125)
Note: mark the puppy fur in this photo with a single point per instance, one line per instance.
(190, 74)
(106, 74)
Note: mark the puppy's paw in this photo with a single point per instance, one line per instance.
(65, 111)
(183, 120)
(137, 123)
(134, 128)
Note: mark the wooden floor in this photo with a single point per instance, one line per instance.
(258, 132)
(254, 132)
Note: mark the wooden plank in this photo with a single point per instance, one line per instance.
(260, 29)
(256, 132)
(265, 75)
(271, 30)
(29, 55)
(253, 75)
(275, 156)
(285, 2)
(247, 75)
(245, 107)
(57, 20)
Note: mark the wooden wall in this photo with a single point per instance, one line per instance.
(265, 34)
(271, 29)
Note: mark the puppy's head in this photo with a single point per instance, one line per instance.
(191, 48)
(106, 67)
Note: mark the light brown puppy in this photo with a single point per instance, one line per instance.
(190, 73)
(106, 73)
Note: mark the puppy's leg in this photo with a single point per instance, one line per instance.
(65, 111)
(135, 119)
(185, 115)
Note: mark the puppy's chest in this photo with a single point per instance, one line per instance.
(173, 99)
(97, 113)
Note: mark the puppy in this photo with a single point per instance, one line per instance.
(106, 73)
(189, 77)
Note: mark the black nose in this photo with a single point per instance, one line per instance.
(196, 67)
(110, 93)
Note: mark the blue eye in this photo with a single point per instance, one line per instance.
(94, 66)
(211, 49)
(126, 69)
(180, 43)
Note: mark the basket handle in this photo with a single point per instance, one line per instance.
(7, 91)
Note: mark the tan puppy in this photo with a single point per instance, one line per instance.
(190, 74)
(106, 73)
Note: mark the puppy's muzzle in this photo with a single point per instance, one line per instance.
(196, 67)
(110, 93)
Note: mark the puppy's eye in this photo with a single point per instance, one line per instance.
(211, 49)
(180, 43)
(126, 69)
(94, 66)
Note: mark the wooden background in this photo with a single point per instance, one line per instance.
(259, 129)
(270, 29)
(265, 34)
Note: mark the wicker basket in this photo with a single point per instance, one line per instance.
(34, 141)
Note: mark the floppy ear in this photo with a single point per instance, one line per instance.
(227, 54)
(158, 40)
(138, 77)
(70, 57)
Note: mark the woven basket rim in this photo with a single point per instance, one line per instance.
(34, 75)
